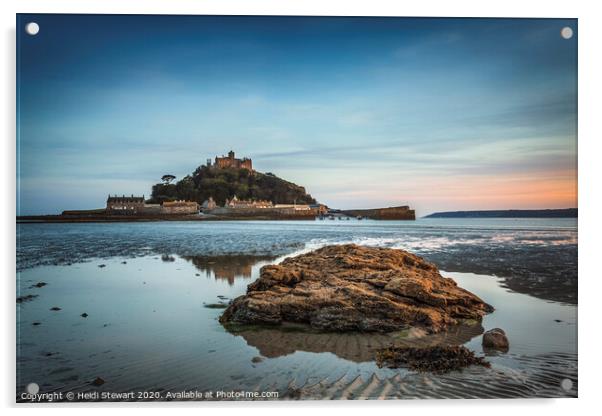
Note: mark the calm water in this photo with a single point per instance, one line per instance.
(149, 327)
(41, 244)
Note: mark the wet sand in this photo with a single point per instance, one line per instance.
(148, 329)
(533, 256)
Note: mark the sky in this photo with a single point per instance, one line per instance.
(438, 114)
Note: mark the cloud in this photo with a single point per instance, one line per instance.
(360, 111)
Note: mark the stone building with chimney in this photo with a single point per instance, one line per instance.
(209, 204)
(135, 205)
(125, 204)
(236, 203)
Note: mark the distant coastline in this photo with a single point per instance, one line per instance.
(509, 213)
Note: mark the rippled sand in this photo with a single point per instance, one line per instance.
(539, 376)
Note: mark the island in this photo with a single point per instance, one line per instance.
(223, 188)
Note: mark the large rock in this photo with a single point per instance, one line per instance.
(495, 339)
(354, 288)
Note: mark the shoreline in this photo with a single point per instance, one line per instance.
(40, 219)
(540, 263)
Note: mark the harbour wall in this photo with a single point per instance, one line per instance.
(391, 213)
(276, 213)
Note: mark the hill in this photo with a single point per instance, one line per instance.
(509, 213)
(224, 183)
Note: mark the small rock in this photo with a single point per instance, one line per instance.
(496, 339)
(436, 359)
(102, 265)
(256, 359)
(557, 320)
(36, 323)
(55, 308)
(215, 305)
(98, 381)
(124, 262)
(26, 298)
(294, 393)
(84, 315)
(39, 284)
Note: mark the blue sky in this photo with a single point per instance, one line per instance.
(440, 114)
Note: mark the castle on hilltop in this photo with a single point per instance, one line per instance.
(231, 161)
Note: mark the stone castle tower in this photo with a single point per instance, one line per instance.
(231, 161)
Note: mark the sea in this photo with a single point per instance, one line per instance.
(132, 309)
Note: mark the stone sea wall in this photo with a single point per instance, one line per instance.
(263, 212)
(391, 213)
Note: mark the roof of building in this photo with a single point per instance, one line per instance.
(124, 198)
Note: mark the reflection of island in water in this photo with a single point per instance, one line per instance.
(353, 346)
(228, 267)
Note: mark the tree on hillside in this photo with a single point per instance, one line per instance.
(225, 183)
(167, 179)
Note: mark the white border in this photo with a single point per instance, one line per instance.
(590, 68)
